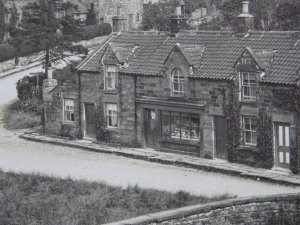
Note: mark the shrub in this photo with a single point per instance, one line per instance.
(7, 52)
(29, 87)
(92, 31)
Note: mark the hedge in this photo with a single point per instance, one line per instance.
(7, 52)
(92, 31)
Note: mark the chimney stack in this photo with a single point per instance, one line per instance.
(178, 21)
(120, 20)
(245, 20)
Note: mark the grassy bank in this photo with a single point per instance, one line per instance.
(34, 199)
(14, 117)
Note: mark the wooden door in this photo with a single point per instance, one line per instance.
(151, 131)
(221, 138)
(283, 145)
(90, 123)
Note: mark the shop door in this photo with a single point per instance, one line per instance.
(283, 146)
(90, 125)
(151, 131)
(221, 138)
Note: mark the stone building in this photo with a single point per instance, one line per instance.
(105, 10)
(173, 92)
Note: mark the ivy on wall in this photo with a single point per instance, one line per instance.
(101, 134)
(287, 99)
(265, 139)
(232, 112)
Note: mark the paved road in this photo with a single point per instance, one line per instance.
(8, 90)
(24, 156)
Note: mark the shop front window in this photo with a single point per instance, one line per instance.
(182, 126)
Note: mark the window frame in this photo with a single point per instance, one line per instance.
(108, 115)
(244, 86)
(68, 112)
(181, 115)
(112, 77)
(180, 81)
(253, 133)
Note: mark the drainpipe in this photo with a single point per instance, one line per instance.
(135, 112)
(79, 104)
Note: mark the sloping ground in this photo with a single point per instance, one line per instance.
(33, 199)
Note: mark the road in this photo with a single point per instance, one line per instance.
(8, 90)
(19, 155)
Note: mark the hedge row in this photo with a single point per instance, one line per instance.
(92, 31)
(7, 52)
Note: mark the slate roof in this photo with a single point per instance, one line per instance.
(219, 52)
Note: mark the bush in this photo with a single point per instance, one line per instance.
(30, 46)
(29, 87)
(7, 52)
(92, 31)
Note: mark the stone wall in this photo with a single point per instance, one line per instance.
(265, 210)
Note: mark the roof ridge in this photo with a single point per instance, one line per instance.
(275, 31)
(95, 51)
(205, 31)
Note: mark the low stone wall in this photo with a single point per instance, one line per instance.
(266, 210)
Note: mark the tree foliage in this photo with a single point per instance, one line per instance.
(157, 15)
(268, 14)
(2, 21)
(45, 28)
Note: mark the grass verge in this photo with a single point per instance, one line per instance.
(16, 118)
(35, 199)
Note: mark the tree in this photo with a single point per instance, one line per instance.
(41, 20)
(288, 16)
(268, 14)
(2, 21)
(157, 15)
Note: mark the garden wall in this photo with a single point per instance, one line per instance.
(269, 210)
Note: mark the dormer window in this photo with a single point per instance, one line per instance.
(178, 81)
(110, 77)
(248, 86)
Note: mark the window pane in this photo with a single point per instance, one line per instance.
(185, 126)
(248, 137)
(195, 127)
(287, 136)
(165, 124)
(175, 125)
(280, 135)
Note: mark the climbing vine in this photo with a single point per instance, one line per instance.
(265, 139)
(101, 134)
(287, 99)
(232, 112)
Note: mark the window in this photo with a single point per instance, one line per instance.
(111, 115)
(248, 86)
(69, 110)
(137, 17)
(178, 81)
(249, 130)
(183, 126)
(110, 78)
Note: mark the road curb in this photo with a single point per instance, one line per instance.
(21, 70)
(156, 159)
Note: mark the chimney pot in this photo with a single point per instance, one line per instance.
(245, 6)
